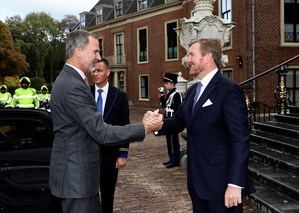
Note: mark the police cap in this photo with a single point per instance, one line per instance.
(170, 77)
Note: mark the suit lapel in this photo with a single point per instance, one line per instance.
(212, 84)
(92, 89)
(111, 98)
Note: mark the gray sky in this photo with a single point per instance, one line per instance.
(56, 8)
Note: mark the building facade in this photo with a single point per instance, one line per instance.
(138, 37)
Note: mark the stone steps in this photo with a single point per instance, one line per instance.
(274, 163)
(275, 141)
(272, 200)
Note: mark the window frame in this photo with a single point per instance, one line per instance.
(83, 20)
(138, 46)
(139, 3)
(282, 28)
(140, 89)
(293, 87)
(99, 15)
(119, 11)
(101, 50)
(221, 14)
(166, 41)
(228, 70)
(123, 48)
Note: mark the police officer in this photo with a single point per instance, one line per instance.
(171, 101)
(44, 97)
(5, 97)
(25, 96)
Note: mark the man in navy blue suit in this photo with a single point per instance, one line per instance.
(115, 110)
(214, 113)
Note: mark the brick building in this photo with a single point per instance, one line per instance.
(137, 37)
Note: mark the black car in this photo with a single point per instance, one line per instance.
(26, 139)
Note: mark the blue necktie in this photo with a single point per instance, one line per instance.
(100, 101)
(197, 92)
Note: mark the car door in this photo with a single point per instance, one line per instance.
(25, 147)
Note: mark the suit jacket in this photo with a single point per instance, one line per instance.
(116, 110)
(79, 129)
(217, 137)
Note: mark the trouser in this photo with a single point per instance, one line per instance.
(108, 177)
(173, 148)
(82, 205)
(209, 206)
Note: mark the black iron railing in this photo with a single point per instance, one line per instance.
(266, 93)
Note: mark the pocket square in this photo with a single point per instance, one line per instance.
(207, 103)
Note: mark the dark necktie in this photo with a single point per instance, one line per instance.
(100, 101)
(197, 92)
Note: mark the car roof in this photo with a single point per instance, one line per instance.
(38, 115)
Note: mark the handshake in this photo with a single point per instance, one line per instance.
(152, 121)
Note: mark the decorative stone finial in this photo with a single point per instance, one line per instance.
(203, 24)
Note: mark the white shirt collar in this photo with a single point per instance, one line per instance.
(104, 88)
(80, 72)
(206, 80)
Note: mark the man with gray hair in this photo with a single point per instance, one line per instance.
(79, 129)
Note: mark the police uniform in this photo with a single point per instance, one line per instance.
(171, 102)
(25, 97)
(5, 97)
(44, 97)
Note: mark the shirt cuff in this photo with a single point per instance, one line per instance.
(123, 154)
(236, 186)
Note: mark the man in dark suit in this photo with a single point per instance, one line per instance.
(214, 113)
(79, 129)
(115, 111)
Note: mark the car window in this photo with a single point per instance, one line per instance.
(19, 135)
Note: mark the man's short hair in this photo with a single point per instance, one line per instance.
(213, 46)
(105, 61)
(76, 39)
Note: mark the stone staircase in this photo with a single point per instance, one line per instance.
(274, 163)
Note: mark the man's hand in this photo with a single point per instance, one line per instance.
(152, 121)
(121, 163)
(232, 196)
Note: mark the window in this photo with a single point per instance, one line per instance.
(143, 87)
(292, 84)
(99, 15)
(101, 47)
(142, 4)
(24, 134)
(226, 13)
(171, 41)
(142, 45)
(119, 48)
(118, 7)
(228, 74)
(118, 79)
(82, 20)
(291, 21)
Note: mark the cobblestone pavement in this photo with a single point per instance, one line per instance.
(145, 185)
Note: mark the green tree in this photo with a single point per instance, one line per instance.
(34, 35)
(12, 61)
(56, 57)
(40, 30)
(41, 39)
